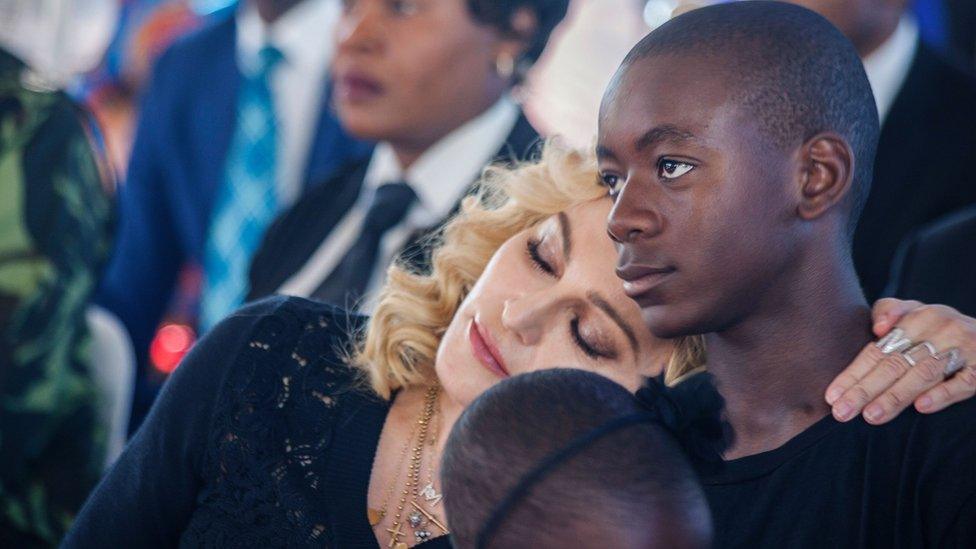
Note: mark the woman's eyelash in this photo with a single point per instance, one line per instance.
(533, 250)
(589, 350)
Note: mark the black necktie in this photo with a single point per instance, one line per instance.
(346, 283)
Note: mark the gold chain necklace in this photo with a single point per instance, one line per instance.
(419, 518)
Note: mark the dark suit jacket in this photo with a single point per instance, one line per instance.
(925, 163)
(187, 120)
(297, 233)
(938, 264)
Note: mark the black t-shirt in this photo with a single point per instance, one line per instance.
(908, 483)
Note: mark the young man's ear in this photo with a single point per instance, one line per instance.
(827, 176)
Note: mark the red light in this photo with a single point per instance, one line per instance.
(171, 343)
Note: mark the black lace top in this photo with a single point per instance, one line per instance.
(263, 437)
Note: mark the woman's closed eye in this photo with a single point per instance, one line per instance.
(540, 263)
(593, 346)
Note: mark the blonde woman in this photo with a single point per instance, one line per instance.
(295, 424)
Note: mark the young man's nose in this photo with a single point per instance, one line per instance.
(634, 214)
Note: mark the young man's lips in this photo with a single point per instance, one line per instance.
(638, 280)
(484, 349)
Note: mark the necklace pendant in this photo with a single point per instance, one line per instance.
(415, 519)
(422, 535)
(400, 545)
(430, 494)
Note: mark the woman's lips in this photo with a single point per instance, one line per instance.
(484, 349)
(357, 87)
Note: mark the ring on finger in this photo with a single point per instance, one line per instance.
(912, 356)
(894, 342)
(954, 361)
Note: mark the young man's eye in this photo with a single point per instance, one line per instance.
(611, 182)
(532, 248)
(673, 169)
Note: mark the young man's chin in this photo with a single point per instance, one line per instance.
(668, 322)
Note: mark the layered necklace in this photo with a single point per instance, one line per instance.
(415, 508)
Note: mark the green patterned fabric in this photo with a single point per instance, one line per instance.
(55, 227)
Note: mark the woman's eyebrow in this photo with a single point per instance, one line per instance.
(564, 228)
(598, 300)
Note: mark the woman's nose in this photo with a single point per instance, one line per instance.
(634, 215)
(530, 315)
(358, 28)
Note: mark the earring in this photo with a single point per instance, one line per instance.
(505, 66)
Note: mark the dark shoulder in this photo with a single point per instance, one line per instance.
(954, 233)
(938, 439)
(290, 372)
(949, 88)
(217, 33)
(291, 332)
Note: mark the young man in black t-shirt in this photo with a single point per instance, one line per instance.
(737, 141)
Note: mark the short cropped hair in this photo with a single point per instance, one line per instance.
(633, 483)
(797, 74)
(499, 13)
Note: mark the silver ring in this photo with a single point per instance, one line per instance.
(954, 361)
(925, 345)
(894, 342)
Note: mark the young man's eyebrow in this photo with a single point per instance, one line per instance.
(658, 134)
(604, 153)
(564, 228)
(604, 305)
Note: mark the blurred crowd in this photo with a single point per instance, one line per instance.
(164, 161)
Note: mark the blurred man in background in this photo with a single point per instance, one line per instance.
(923, 168)
(234, 127)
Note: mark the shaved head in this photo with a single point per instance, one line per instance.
(793, 72)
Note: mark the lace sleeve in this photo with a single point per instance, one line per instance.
(147, 497)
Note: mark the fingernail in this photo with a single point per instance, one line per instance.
(924, 403)
(873, 412)
(842, 411)
(833, 394)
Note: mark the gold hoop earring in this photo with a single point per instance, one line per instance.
(505, 66)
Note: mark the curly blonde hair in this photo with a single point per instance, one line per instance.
(414, 309)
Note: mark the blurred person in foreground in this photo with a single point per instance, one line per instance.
(434, 83)
(923, 169)
(568, 458)
(55, 236)
(233, 128)
(294, 423)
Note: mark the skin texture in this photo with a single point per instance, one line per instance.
(866, 23)
(753, 231)
(528, 313)
(409, 72)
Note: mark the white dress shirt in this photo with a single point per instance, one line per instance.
(439, 177)
(304, 36)
(888, 66)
